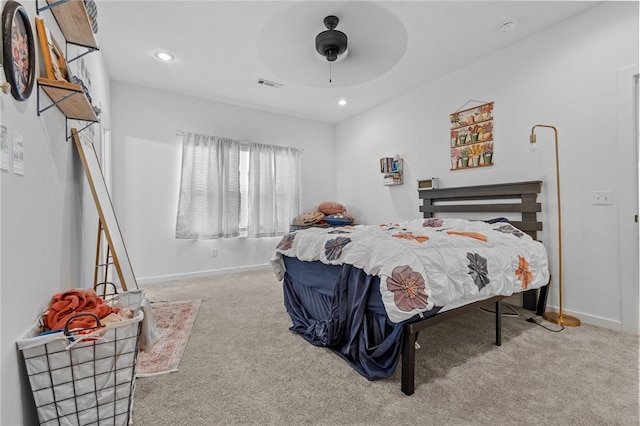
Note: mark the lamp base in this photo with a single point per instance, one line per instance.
(567, 320)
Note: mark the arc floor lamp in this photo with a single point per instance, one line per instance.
(557, 317)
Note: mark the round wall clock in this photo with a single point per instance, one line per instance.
(18, 57)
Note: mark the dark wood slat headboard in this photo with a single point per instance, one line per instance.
(484, 197)
(481, 199)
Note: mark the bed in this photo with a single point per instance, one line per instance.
(365, 292)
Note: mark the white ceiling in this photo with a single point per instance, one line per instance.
(222, 48)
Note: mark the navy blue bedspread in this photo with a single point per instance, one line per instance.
(340, 307)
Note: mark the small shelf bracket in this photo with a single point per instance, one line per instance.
(75, 58)
(68, 134)
(49, 6)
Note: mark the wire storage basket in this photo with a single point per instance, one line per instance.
(86, 378)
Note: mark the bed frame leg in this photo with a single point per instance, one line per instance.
(542, 299)
(408, 362)
(498, 325)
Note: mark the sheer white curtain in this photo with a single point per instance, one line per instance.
(209, 203)
(274, 189)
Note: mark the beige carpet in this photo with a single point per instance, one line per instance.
(243, 366)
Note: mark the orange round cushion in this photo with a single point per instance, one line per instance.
(331, 207)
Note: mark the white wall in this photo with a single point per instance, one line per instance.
(565, 77)
(45, 215)
(146, 175)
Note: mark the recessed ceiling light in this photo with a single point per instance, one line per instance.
(342, 102)
(164, 56)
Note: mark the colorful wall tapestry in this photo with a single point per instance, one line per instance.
(471, 137)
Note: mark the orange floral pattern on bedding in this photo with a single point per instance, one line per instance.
(411, 236)
(523, 272)
(476, 235)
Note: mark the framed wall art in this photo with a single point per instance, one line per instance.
(54, 62)
(471, 138)
(18, 56)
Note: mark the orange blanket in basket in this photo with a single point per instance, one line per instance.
(80, 300)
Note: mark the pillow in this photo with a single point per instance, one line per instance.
(331, 207)
(432, 222)
(497, 220)
(308, 218)
(339, 219)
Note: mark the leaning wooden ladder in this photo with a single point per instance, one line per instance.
(104, 261)
(116, 252)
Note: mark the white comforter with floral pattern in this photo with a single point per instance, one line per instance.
(424, 263)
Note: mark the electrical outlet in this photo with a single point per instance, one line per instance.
(602, 198)
(214, 252)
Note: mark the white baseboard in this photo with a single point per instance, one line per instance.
(516, 300)
(162, 278)
(590, 319)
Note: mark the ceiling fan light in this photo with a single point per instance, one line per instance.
(331, 55)
(331, 43)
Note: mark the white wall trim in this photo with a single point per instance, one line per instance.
(628, 184)
(590, 319)
(189, 275)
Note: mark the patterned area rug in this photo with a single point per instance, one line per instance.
(174, 321)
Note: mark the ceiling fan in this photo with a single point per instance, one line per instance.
(331, 43)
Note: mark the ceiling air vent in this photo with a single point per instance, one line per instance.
(269, 83)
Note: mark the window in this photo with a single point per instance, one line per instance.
(227, 186)
(244, 188)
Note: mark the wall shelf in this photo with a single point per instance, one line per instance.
(392, 169)
(73, 21)
(69, 98)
